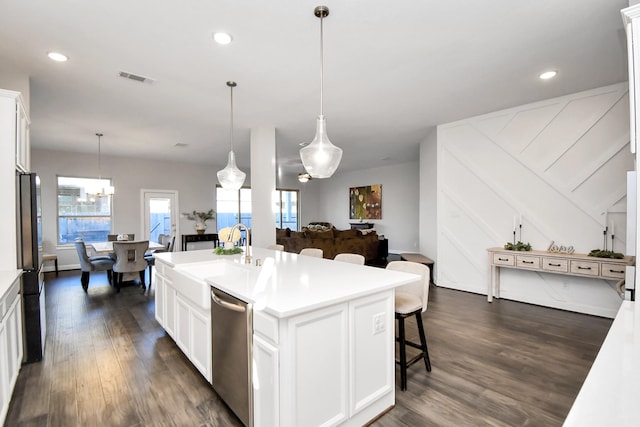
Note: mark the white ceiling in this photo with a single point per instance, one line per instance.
(393, 70)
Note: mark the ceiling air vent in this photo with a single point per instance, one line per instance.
(136, 77)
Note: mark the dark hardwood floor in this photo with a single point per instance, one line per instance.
(108, 363)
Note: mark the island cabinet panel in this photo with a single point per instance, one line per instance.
(170, 308)
(266, 390)
(183, 333)
(158, 282)
(371, 360)
(200, 340)
(316, 339)
(331, 366)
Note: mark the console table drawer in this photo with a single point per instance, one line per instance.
(615, 271)
(528, 261)
(555, 264)
(585, 267)
(504, 259)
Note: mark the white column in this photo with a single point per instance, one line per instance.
(263, 185)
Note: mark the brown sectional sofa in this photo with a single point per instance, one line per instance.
(331, 240)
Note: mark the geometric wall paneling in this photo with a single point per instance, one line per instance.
(561, 164)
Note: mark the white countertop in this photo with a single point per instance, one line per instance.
(7, 277)
(610, 395)
(286, 284)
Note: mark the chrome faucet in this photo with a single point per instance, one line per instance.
(247, 256)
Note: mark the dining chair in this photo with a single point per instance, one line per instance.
(351, 258)
(314, 252)
(276, 247)
(130, 259)
(411, 300)
(94, 263)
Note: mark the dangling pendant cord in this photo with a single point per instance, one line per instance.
(321, 61)
(231, 121)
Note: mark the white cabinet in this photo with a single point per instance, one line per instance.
(23, 141)
(266, 391)
(357, 374)
(10, 344)
(14, 122)
(187, 322)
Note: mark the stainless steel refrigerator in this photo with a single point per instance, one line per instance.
(30, 261)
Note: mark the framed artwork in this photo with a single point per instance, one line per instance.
(365, 202)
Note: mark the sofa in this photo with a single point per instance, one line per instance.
(331, 240)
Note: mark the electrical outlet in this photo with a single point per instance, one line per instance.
(378, 323)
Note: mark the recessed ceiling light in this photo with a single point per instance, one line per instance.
(548, 75)
(222, 38)
(56, 56)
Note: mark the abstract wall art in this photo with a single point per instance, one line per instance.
(365, 202)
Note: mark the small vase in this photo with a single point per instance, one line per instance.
(200, 227)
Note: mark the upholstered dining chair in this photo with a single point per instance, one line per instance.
(129, 259)
(168, 242)
(276, 247)
(314, 252)
(411, 300)
(351, 258)
(94, 263)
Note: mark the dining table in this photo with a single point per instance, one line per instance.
(104, 248)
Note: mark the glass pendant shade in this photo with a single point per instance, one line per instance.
(321, 158)
(231, 178)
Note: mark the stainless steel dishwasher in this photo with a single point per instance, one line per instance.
(232, 338)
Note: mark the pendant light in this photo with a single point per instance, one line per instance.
(231, 178)
(101, 190)
(321, 158)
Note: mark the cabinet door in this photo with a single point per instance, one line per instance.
(4, 371)
(170, 308)
(318, 338)
(159, 297)
(200, 351)
(266, 401)
(14, 341)
(22, 138)
(183, 326)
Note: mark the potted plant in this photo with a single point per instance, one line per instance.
(201, 219)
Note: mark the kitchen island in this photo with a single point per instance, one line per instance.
(322, 331)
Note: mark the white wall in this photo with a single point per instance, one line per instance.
(328, 200)
(562, 164)
(195, 185)
(428, 199)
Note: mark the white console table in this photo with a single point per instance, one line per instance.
(550, 262)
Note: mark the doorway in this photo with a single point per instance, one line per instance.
(160, 213)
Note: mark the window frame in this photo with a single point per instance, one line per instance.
(278, 214)
(104, 181)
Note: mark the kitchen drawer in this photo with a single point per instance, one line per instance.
(615, 271)
(586, 268)
(528, 261)
(504, 259)
(555, 264)
(266, 326)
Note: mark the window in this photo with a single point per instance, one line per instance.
(80, 214)
(234, 206)
(286, 209)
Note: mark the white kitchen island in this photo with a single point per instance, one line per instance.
(323, 330)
